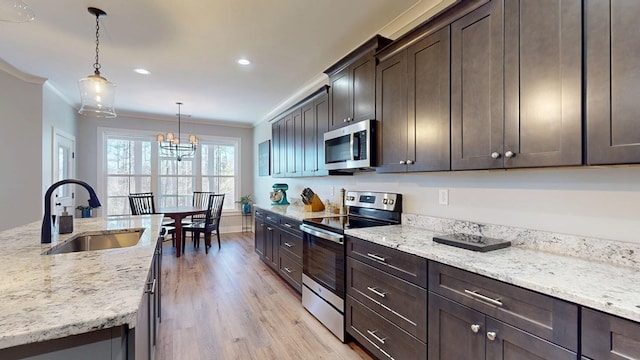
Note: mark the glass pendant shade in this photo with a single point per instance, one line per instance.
(15, 11)
(97, 95)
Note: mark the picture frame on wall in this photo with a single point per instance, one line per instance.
(264, 158)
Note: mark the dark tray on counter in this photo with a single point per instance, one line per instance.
(472, 242)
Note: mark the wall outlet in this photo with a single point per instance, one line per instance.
(443, 196)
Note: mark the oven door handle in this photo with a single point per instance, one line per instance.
(336, 238)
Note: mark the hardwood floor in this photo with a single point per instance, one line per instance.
(230, 305)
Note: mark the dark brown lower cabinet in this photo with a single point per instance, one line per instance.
(609, 337)
(458, 332)
(380, 336)
(278, 241)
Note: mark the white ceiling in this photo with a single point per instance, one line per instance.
(191, 48)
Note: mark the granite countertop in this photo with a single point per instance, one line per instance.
(44, 297)
(608, 287)
(295, 212)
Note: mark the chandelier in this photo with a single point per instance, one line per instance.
(96, 92)
(170, 144)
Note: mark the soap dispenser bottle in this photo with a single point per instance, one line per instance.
(65, 223)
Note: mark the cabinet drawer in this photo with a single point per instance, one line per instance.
(544, 316)
(290, 225)
(406, 266)
(401, 302)
(381, 337)
(259, 213)
(292, 244)
(291, 271)
(606, 336)
(272, 218)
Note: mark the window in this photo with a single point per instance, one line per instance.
(133, 163)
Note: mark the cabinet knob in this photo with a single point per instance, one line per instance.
(491, 335)
(401, 162)
(409, 162)
(475, 328)
(349, 119)
(509, 154)
(344, 120)
(495, 155)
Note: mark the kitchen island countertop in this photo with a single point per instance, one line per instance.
(44, 297)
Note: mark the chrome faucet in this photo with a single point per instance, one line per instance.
(45, 233)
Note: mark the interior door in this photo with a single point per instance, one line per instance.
(63, 153)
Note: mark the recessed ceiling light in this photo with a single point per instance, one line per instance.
(244, 62)
(142, 71)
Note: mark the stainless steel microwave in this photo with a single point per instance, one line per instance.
(351, 147)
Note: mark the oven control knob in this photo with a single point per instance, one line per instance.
(384, 201)
(391, 201)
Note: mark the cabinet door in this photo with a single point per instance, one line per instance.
(321, 105)
(477, 89)
(272, 243)
(277, 130)
(293, 136)
(259, 237)
(340, 98)
(613, 81)
(310, 140)
(429, 140)
(363, 88)
(543, 72)
(455, 331)
(510, 343)
(391, 111)
(608, 337)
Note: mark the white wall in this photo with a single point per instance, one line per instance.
(601, 202)
(21, 118)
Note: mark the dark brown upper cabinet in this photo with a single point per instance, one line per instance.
(352, 83)
(293, 143)
(516, 85)
(612, 81)
(315, 122)
(278, 148)
(297, 137)
(412, 105)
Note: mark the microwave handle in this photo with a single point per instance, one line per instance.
(355, 146)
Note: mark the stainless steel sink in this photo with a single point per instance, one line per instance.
(103, 240)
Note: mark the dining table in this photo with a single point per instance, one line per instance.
(178, 213)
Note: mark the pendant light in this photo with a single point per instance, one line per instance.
(96, 92)
(170, 143)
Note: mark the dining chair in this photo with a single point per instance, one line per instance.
(200, 199)
(211, 223)
(143, 204)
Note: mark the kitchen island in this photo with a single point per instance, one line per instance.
(48, 297)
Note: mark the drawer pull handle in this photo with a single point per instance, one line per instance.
(496, 302)
(475, 328)
(288, 270)
(269, 228)
(373, 333)
(287, 225)
(374, 256)
(491, 335)
(152, 287)
(288, 245)
(375, 291)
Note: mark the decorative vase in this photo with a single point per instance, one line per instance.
(86, 213)
(246, 208)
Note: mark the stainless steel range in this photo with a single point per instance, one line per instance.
(323, 274)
